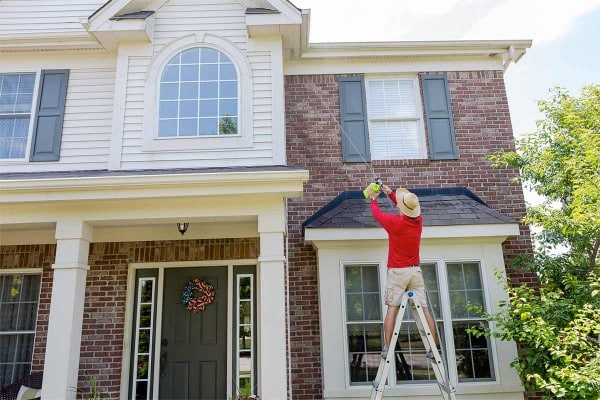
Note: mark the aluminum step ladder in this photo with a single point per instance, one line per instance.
(437, 364)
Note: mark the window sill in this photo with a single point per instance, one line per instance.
(196, 143)
(400, 163)
(470, 390)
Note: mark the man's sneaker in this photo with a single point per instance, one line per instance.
(429, 355)
(384, 353)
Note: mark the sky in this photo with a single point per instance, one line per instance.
(565, 50)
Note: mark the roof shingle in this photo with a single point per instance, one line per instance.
(439, 207)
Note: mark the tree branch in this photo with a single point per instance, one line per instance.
(594, 255)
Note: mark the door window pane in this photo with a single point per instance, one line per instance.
(19, 296)
(245, 343)
(143, 337)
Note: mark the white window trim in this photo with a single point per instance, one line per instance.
(32, 115)
(135, 351)
(419, 111)
(150, 140)
(380, 267)
(338, 247)
(237, 330)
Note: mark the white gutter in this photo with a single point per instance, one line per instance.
(416, 49)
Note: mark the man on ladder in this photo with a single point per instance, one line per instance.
(404, 272)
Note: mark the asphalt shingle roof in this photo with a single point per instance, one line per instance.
(439, 207)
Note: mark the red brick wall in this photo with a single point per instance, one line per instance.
(106, 287)
(482, 125)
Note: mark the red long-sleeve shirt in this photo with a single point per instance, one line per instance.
(404, 236)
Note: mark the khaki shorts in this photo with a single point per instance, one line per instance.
(402, 280)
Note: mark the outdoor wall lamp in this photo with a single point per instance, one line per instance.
(182, 227)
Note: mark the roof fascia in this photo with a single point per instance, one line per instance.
(287, 183)
(42, 41)
(329, 237)
(508, 50)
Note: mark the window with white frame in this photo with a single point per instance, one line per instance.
(245, 350)
(364, 325)
(473, 355)
(19, 297)
(143, 338)
(16, 98)
(395, 119)
(198, 95)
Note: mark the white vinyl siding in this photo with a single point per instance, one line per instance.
(92, 140)
(19, 17)
(178, 19)
(87, 122)
(88, 118)
(395, 119)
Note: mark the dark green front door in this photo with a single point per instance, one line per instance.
(193, 347)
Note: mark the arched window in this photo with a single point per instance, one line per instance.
(198, 95)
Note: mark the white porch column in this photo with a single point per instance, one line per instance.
(61, 365)
(271, 301)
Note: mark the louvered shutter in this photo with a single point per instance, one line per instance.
(49, 115)
(438, 113)
(353, 115)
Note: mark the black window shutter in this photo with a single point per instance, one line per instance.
(438, 113)
(353, 115)
(49, 115)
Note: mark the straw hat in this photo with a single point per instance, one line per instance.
(408, 203)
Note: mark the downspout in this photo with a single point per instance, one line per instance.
(287, 301)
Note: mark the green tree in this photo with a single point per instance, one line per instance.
(558, 324)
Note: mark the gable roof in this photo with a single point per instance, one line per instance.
(439, 207)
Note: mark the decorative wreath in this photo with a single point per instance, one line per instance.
(193, 303)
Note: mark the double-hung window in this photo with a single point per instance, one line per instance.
(395, 119)
(16, 97)
(19, 297)
(27, 111)
(384, 118)
(363, 321)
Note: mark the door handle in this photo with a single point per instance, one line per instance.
(163, 357)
